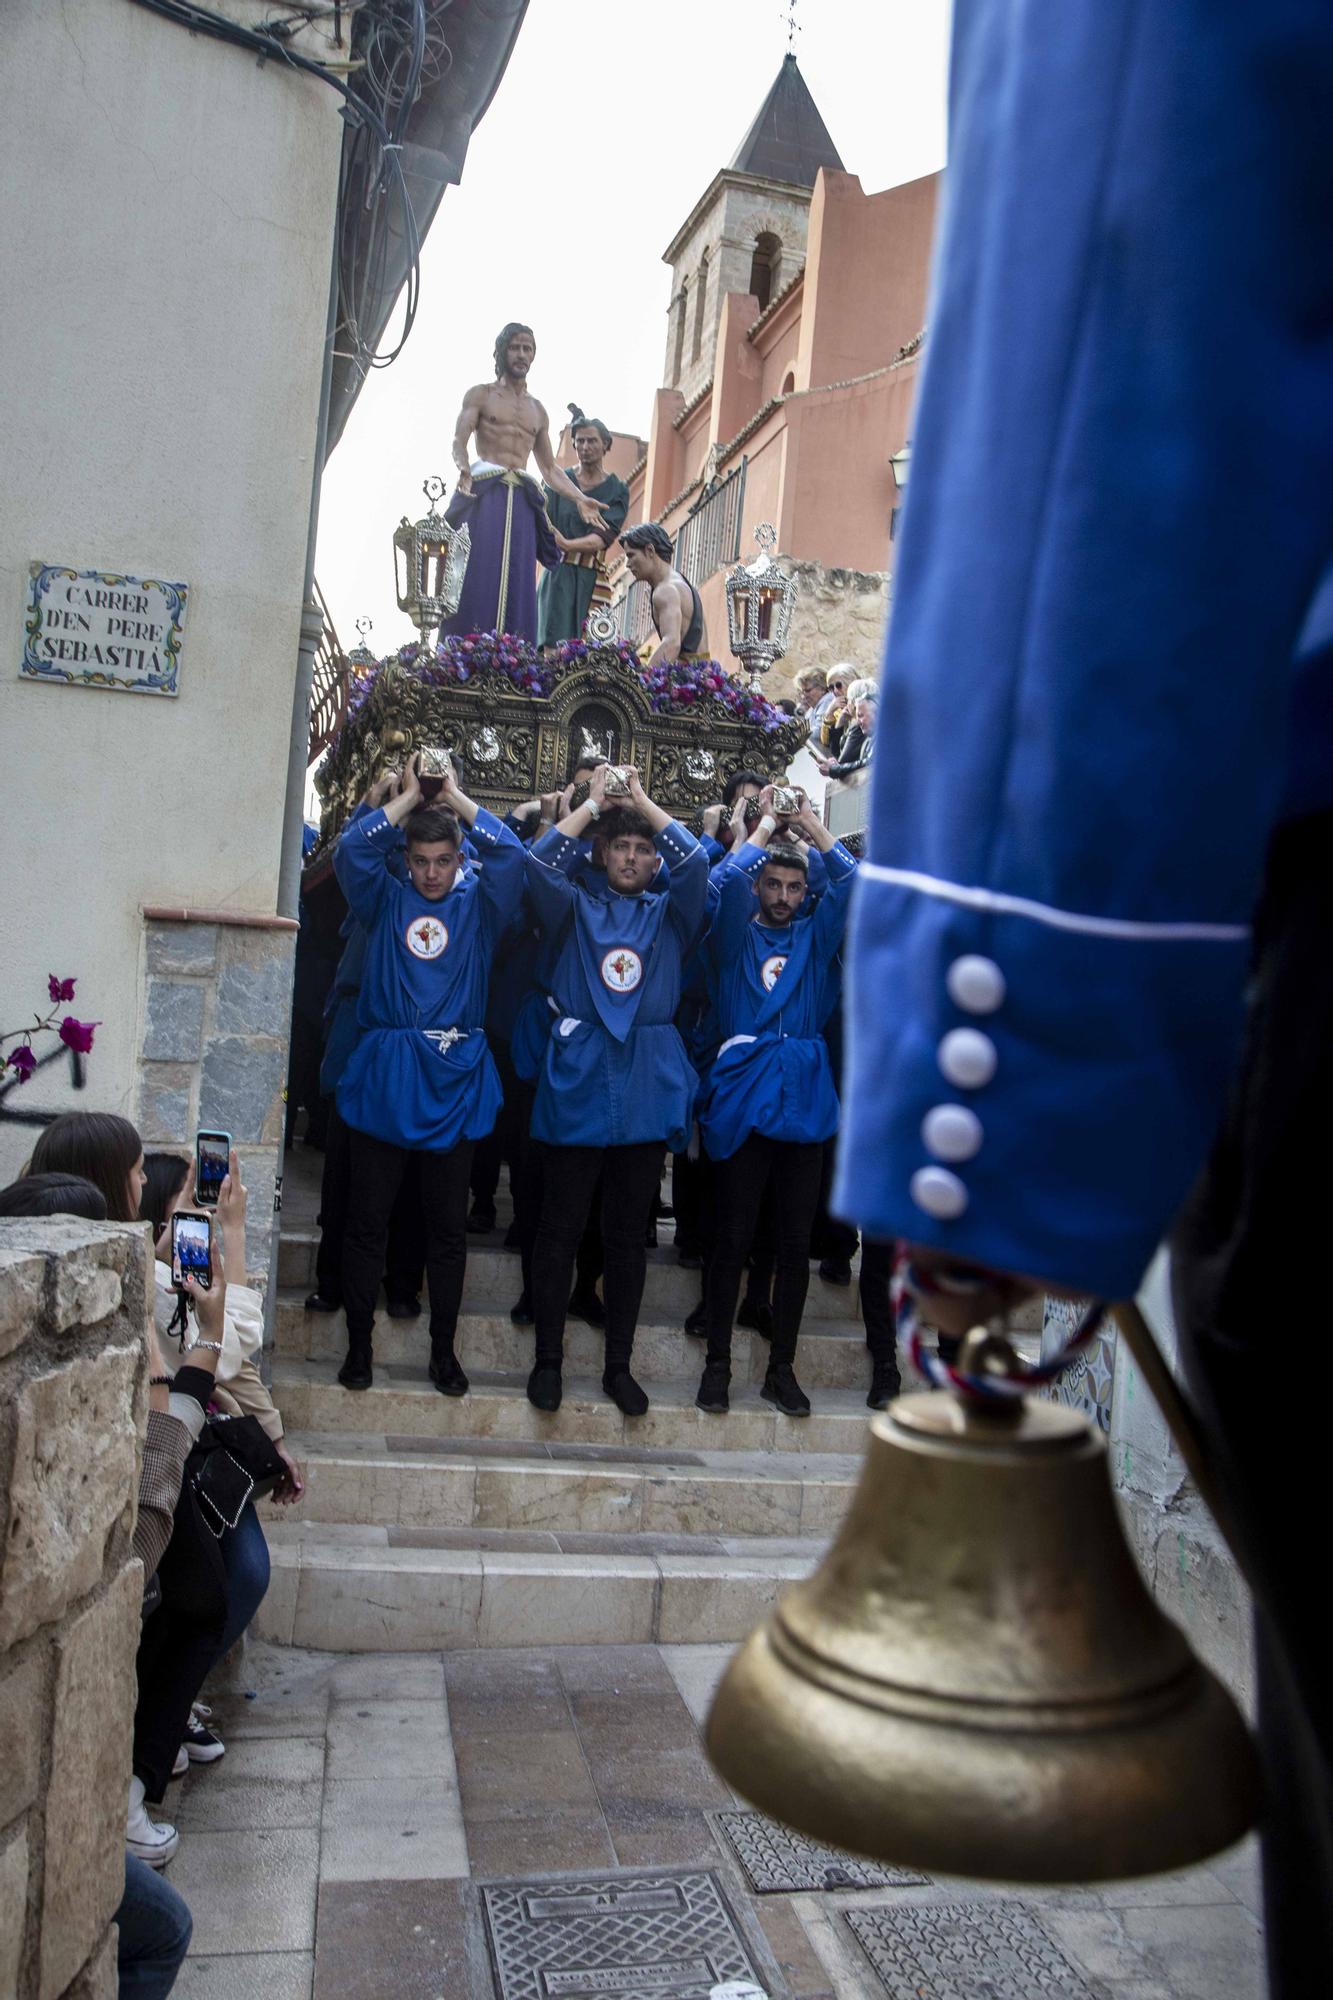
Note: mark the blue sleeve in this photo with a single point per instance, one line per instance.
(713, 849)
(688, 885)
(503, 869)
(1089, 710)
(834, 903)
(360, 862)
(731, 899)
(548, 866)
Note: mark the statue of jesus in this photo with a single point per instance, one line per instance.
(500, 501)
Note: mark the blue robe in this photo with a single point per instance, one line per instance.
(1104, 694)
(425, 974)
(770, 987)
(615, 1071)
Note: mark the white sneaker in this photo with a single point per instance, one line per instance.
(151, 1840)
(182, 1763)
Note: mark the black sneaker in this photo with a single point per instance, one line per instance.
(757, 1315)
(885, 1384)
(317, 1303)
(521, 1313)
(447, 1376)
(202, 1745)
(402, 1308)
(481, 1222)
(624, 1392)
(544, 1387)
(356, 1371)
(694, 1321)
(713, 1387)
(836, 1270)
(782, 1388)
(587, 1307)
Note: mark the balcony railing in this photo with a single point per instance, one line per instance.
(635, 613)
(328, 688)
(711, 533)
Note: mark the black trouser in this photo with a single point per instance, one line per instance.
(589, 1258)
(876, 1311)
(830, 1237)
(569, 1178)
(690, 1198)
(1248, 1274)
(378, 1170)
(405, 1256)
(793, 1173)
(508, 1141)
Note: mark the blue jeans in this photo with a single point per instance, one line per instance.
(155, 1927)
(245, 1559)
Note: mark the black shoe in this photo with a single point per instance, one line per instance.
(782, 1388)
(836, 1271)
(481, 1222)
(587, 1307)
(694, 1321)
(885, 1384)
(356, 1371)
(624, 1391)
(402, 1308)
(446, 1374)
(317, 1303)
(544, 1387)
(522, 1313)
(755, 1314)
(688, 1258)
(713, 1387)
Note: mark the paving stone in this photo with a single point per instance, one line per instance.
(256, 1887)
(392, 1830)
(248, 1975)
(798, 1962)
(381, 1739)
(1212, 1953)
(400, 1941)
(587, 1934)
(174, 1020)
(779, 1861)
(388, 1677)
(261, 1782)
(512, 1841)
(956, 1951)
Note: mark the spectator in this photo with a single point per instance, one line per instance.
(835, 716)
(101, 1148)
(154, 1928)
(53, 1194)
(858, 746)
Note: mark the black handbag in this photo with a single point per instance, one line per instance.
(233, 1461)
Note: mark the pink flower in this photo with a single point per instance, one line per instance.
(23, 1062)
(59, 989)
(78, 1035)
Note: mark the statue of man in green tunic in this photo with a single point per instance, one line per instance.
(564, 594)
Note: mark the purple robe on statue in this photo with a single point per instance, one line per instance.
(506, 514)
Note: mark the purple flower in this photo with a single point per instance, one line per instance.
(23, 1062)
(78, 1035)
(59, 989)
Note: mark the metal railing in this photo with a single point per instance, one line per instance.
(635, 614)
(711, 532)
(328, 688)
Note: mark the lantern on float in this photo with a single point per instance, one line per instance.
(760, 600)
(430, 559)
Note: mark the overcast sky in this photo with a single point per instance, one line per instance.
(608, 125)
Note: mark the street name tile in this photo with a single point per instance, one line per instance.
(779, 1862)
(668, 1933)
(962, 1951)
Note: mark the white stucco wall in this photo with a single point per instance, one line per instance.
(166, 223)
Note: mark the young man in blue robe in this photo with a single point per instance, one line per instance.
(770, 1102)
(421, 1078)
(616, 1087)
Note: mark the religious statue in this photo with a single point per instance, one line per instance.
(500, 501)
(677, 613)
(564, 594)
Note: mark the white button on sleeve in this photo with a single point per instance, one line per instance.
(951, 1132)
(975, 984)
(967, 1058)
(939, 1193)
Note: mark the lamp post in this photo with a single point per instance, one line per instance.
(760, 600)
(429, 559)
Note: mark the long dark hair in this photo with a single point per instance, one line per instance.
(502, 340)
(166, 1174)
(98, 1145)
(54, 1194)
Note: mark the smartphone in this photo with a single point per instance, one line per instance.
(192, 1250)
(212, 1155)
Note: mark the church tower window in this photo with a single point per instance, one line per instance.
(764, 267)
(682, 310)
(700, 298)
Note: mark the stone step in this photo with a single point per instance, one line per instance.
(494, 1281)
(406, 1487)
(832, 1353)
(403, 1403)
(345, 1593)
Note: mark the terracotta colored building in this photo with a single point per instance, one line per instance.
(793, 334)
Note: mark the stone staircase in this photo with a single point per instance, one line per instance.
(430, 1522)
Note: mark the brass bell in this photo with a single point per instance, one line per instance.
(975, 1681)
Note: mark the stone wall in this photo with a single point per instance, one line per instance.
(839, 615)
(216, 1015)
(74, 1298)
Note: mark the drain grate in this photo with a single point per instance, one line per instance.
(779, 1862)
(965, 1951)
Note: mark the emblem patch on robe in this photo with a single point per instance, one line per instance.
(622, 969)
(772, 969)
(426, 937)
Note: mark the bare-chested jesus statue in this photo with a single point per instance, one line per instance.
(500, 500)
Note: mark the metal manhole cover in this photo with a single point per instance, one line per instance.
(779, 1862)
(965, 1951)
(636, 1935)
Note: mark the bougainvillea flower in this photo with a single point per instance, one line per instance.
(59, 989)
(78, 1035)
(23, 1062)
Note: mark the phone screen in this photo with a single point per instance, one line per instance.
(192, 1250)
(211, 1150)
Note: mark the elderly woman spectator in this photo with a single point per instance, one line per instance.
(858, 746)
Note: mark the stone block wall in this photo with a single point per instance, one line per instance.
(839, 615)
(216, 1019)
(74, 1300)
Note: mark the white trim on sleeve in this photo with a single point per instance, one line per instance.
(996, 903)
